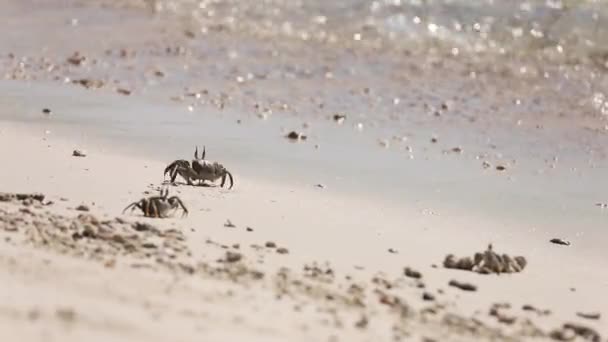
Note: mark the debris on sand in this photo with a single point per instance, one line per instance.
(411, 273)
(89, 83)
(462, 285)
(487, 262)
(270, 244)
(589, 315)
(497, 310)
(339, 118)
(76, 59)
(82, 207)
(229, 224)
(79, 153)
(66, 314)
(46, 111)
(558, 241)
(293, 135)
(123, 91)
(392, 251)
(25, 199)
(232, 257)
(427, 296)
(569, 331)
(501, 167)
(90, 236)
(528, 307)
(282, 250)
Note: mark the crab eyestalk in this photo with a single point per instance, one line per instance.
(196, 153)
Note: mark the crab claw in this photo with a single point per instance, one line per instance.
(224, 180)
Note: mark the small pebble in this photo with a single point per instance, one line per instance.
(589, 315)
(412, 273)
(463, 286)
(270, 244)
(293, 135)
(392, 250)
(82, 207)
(249, 229)
(46, 111)
(339, 118)
(66, 314)
(282, 250)
(558, 241)
(428, 296)
(233, 257)
(78, 153)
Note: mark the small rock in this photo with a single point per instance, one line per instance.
(434, 140)
(362, 322)
(66, 314)
(558, 241)
(233, 257)
(76, 59)
(500, 167)
(149, 245)
(123, 91)
(392, 250)
(82, 207)
(270, 244)
(282, 250)
(412, 273)
(321, 186)
(229, 224)
(78, 153)
(249, 229)
(293, 135)
(589, 315)
(46, 111)
(339, 118)
(428, 296)
(463, 286)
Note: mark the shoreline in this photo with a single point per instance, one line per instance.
(419, 164)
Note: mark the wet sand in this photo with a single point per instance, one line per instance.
(391, 197)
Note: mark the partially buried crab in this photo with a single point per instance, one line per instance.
(158, 206)
(200, 169)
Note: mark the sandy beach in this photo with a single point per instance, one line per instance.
(341, 236)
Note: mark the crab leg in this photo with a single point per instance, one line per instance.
(133, 206)
(176, 199)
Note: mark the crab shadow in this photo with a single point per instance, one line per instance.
(204, 185)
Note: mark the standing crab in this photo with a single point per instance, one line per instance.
(200, 169)
(158, 206)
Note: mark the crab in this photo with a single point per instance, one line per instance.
(200, 169)
(158, 206)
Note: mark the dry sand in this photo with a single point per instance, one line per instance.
(341, 277)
